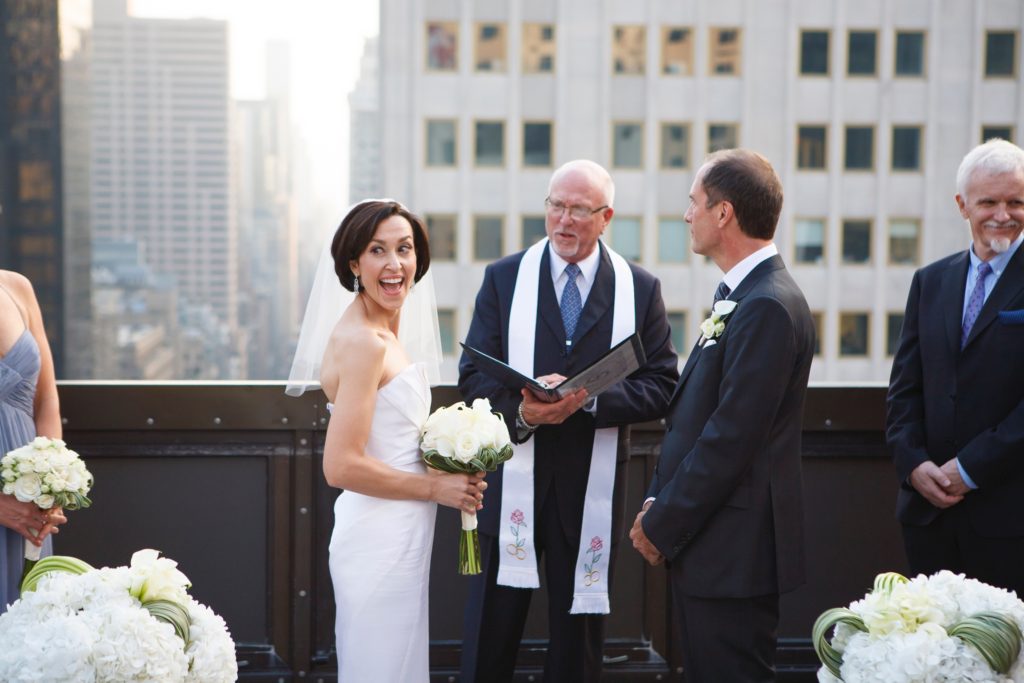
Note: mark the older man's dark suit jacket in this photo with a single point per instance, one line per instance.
(563, 452)
(728, 511)
(945, 402)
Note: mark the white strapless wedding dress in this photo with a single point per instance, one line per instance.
(380, 551)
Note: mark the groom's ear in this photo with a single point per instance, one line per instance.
(726, 211)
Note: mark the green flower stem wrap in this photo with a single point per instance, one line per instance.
(997, 638)
(487, 460)
(172, 613)
(54, 563)
(830, 657)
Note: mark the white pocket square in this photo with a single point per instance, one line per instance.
(709, 342)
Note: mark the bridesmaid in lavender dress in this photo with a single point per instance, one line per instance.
(28, 407)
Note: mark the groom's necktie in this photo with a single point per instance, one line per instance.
(722, 291)
(571, 304)
(975, 303)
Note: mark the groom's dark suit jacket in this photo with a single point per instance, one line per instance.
(945, 402)
(728, 511)
(562, 452)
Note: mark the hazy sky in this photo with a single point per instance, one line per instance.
(326, 37)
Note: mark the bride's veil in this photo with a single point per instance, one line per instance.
(418, 330)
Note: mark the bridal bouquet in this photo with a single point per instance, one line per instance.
(77, 624)
(466, 439)
(45, 472)
(935, 629)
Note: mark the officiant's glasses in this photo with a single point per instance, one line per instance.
(577, 213)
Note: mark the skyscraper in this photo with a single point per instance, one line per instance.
(160, 167)
(30, 156)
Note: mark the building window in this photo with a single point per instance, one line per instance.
(677, 323)
(856, 241)
(893, 327)
(1001, 132)
(909, 53)
(853, 334)
(862, 53)
(488, 237)
(810, 240)
(626, 237)
(442, 44)
(35, 181)
(810, 147)
(537, 144)
(673, 240)
(859, 148)
(722, 136)
(814, 53)
(490, 48)
(446, 323)
(533, 231)
(675, 145)
(903, 241)
(816, 320)
(627, 145)
(629, 49)
(676, 51)
(440, 143)
(490, 143)
(538, 48)
(1000, 53)
(906, 148)
(442, 235)
(725, 52)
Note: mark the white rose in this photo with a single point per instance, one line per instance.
(45, 501)
(501, 438)
(7, 475)
(445, 447)
(40, 442)
(467, 445)
(9, 489)
(482, 405)
(707, 328)
(27, 487)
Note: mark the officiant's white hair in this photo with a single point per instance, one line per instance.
(597, 173)
(993, 156)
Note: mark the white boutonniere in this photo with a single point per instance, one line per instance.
(714, 325)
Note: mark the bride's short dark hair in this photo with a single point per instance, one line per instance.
(357, 229)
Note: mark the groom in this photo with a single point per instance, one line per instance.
(549, 312)
(724, 508)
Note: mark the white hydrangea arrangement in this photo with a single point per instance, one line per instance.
(77, 624)
(943, 628)
(467, 439)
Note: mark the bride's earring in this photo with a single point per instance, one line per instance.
(356, 279)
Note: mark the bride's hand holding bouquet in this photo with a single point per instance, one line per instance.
(472, 440)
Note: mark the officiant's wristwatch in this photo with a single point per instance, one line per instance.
(521, 424)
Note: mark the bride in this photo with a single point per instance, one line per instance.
(384, 518)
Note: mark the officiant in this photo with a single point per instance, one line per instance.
(549, 312)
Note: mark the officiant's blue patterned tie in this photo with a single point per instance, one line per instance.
(722, 291)
(571, 303)
(975, 303)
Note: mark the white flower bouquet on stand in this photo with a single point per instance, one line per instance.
(48, 473)
(77, 624)
(943, 628)
(464, 439)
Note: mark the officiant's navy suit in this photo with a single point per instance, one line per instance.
(496, 615)
(727, 514)
(947, 402)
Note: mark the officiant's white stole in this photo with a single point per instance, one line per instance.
(517, 565)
